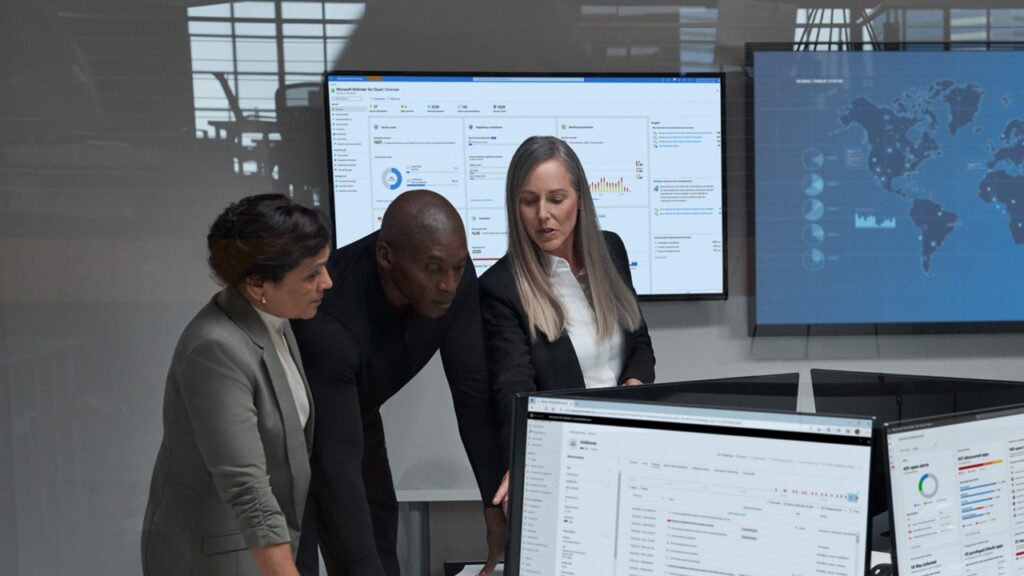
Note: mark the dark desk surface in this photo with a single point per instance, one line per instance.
(468, 568)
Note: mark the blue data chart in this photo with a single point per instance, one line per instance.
(889, 187)
(392, 179)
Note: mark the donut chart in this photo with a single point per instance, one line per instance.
(928, 485)
(392, 178)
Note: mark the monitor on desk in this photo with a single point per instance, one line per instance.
(953, 483)
(892, 397)
(602, 486)
(762, 392)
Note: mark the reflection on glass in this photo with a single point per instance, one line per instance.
(243, 53)
(641, 37)
(822, 28)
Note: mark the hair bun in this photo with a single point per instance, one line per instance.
(263, 236)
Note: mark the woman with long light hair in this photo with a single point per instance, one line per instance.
(559, 309)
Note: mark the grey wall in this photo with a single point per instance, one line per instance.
(108, 182)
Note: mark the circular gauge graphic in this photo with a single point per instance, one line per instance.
(812, 184)
(392, 178)
(813, 209)
(928, 485)
(813, 159)
(813, 259)
(813, 234)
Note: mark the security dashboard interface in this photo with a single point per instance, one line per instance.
(889, 186)
(955, 484)
(671, 490)
(651, 147)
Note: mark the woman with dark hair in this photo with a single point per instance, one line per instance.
(231, 477)
(559, 309)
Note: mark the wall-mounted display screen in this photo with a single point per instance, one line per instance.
(651, 147)
(889, 186)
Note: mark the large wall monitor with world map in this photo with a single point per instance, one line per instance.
(651, 146)
(889, 186)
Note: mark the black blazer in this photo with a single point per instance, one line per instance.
(517, 365)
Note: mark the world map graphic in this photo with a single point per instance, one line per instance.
(901, 139)
(888, 187)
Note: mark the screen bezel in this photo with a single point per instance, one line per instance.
(723, 295)
(515, 508)
(756, 328)
(886, 384)
(911, 424)
(784, 385)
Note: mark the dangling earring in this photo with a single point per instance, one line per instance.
(263, 299)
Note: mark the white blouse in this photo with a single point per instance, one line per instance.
(600, 360)
(275, 325)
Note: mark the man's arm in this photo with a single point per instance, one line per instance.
(465, 366)
(330, 355)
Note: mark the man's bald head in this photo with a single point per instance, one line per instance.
(420, 218)
(421, 252)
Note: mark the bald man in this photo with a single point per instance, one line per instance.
(399, 296)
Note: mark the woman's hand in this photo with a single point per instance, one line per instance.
(275, 560)
(632, 382)
(501, 495)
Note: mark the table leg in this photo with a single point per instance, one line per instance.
(418, 560)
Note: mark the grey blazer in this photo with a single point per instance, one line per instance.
(233, 469)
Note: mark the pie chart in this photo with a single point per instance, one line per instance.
(813, 259)
(813, 209)
(813, 159)
(813, 184)
(813, 234)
